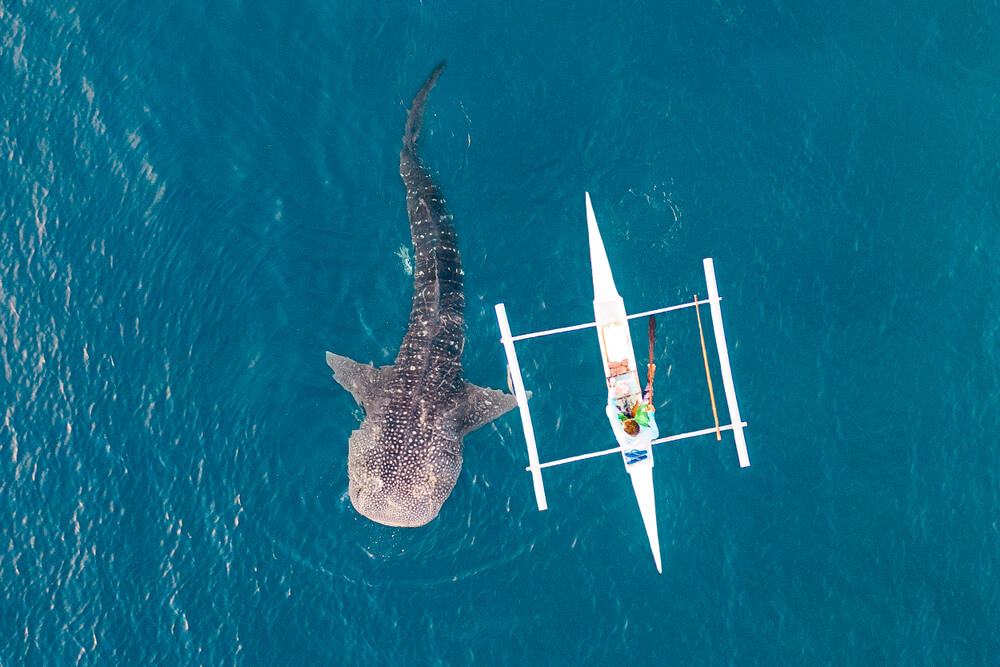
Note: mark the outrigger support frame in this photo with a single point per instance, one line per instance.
(617, 450)
(736, 424)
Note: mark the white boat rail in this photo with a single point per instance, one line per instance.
(616, 450)
(727, 371)
(522, 403)
(590, 325)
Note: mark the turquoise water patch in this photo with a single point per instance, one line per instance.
(200, 199)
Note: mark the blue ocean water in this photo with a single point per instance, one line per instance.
(200, 198)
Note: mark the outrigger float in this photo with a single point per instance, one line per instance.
(620, 368)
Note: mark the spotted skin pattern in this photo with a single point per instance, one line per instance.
(404, 459)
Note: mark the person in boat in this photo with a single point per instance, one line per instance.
(635, 426)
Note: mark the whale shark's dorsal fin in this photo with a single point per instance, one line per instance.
(364, 381)
(482, 405)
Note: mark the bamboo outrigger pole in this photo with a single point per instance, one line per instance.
(708, 375)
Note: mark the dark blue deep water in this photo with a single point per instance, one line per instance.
(199, 198)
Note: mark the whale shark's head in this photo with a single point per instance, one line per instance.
(401, 474)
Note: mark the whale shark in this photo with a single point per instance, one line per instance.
(405, 457)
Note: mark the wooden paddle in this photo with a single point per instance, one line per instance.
(650, 367)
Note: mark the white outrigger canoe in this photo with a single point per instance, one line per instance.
(621, 371)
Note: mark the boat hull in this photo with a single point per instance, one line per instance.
(621, 375)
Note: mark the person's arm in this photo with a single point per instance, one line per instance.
(654, 430)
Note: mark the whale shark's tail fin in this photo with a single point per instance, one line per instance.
(415, 117)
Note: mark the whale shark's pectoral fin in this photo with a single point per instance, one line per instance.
(483, 405)
(364, 381)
